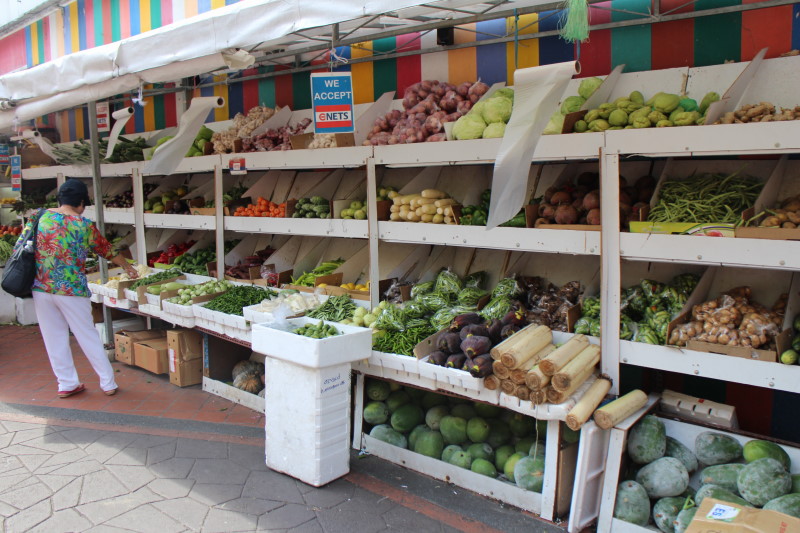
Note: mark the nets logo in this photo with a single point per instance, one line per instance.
(334, 116)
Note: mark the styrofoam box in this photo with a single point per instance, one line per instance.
(104, 291)
(152, 310)
(307, 440)
(352, 344)
(219, 388)
(394, 361)
(118, 303)
(589, 473)
(238, 333)
(131, 295)
(172, 308)
(177, 320)
(96, 298)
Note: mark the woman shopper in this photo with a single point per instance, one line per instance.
(60, 292)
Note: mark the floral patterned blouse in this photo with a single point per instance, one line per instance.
(62, 244)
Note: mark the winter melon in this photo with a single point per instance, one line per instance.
(725, 476)
(764, 480)
(718, 493)
(406, 418)
(529, 473)
(647, 441)
(501, 455)
(463, 410)
(397, 399)
(665, 511)
(521, 425)
(632, 504)
(684, 518)
(434, 416)
(386, 434)
(378, 390)
(511, 463)
(415, 433)
(663, 477)
(481, 450)
(429, 443)
(478, 429)
(448, 452)
(484, 410)
(716, 448)
(787, 504)
(682, 453)
(454, 429)
(461, 459)
(499, 433)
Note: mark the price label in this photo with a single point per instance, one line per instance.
(16, 172)
(723, 513)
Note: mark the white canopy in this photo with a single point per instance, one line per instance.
(199, 44)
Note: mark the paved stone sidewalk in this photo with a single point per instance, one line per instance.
(59, 479)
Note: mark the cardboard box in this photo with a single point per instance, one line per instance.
(184, 345)
(152, 355)
(124, 341)
(716, 516)
(184, 373)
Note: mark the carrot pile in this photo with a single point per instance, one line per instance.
(262, 208)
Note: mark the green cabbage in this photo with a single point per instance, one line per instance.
(555, 125)
(477, 109)
(494, 130)
(588, 86)
(470, 126)
(505, 92)
(497, 110)
(572, 104)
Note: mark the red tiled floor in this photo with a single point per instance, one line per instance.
(141, 392)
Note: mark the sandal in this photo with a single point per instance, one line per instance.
(111, 392)
(66, 394)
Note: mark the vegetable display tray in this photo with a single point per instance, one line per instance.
(119, 303)
(223, 319)
(172, 308)
(131, 295)
(178, 320)
(352, 344)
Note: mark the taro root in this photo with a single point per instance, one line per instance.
(548, 194)
(561, 197)
(593, 217)
(547, 211)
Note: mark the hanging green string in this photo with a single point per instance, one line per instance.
(575, 21)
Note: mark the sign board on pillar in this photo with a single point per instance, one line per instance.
(103, 122)
(16, 172)
(332, 101)
(4, 154)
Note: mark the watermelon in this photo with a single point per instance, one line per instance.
(483, 467)
(415, 433)
(386, 434)
(481, 450)
(429, 443)
(478, 429)
(396, 400)
(511, 463)
(377, 390)
(454, 429)
(407, 418)
(376, 413)
(501, 455)
(448, 452)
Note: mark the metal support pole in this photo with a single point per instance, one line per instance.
(611, 267)
(98, 210)
(372, 220)
(138, 217)
(220, 221)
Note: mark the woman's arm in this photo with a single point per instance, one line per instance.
(121, 261)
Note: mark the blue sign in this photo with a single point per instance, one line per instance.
(16, 172)
(332, 101)
(4, 152)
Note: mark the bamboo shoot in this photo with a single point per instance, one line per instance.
(563, 355)
(507, 386)
(615, 412)
(491, 382)
(522, 392)
(500, 370)
(518, 374)
(583, 410)
(535, 379)
(517, 340)
(530, 345)
(538, 397)
(589, 357)
(557, 396)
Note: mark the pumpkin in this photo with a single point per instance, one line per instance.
(243, 367)
(248, 382)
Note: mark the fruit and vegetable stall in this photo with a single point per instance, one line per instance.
(649, 242)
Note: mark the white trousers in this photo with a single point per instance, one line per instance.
(57, 315)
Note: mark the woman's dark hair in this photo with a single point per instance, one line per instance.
(72, 193)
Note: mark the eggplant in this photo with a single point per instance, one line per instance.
(476, 345)
(437, 358)
(456, 360)
(463, 320)
(481, 366)
(473, 329)
(449, 343)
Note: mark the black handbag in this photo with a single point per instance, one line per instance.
(20, 270)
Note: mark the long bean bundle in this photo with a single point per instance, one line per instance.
(706, 198)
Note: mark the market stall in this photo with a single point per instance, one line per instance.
(383, 234)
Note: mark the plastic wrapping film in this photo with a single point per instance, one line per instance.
(121, 116)
(170, 154)
(537, 91)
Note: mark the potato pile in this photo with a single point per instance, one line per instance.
(761, 112)
(431, 206)
(733, 319)
(787, 216)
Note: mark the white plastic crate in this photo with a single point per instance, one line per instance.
(393, 361)
(223, 390)
(131, 295)
(352, 344)
(307, 440)
(589, 472)
(177, 320)
(148, 309)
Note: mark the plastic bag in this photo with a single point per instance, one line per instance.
(268, 273)
(447, 282)
(682, 333)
